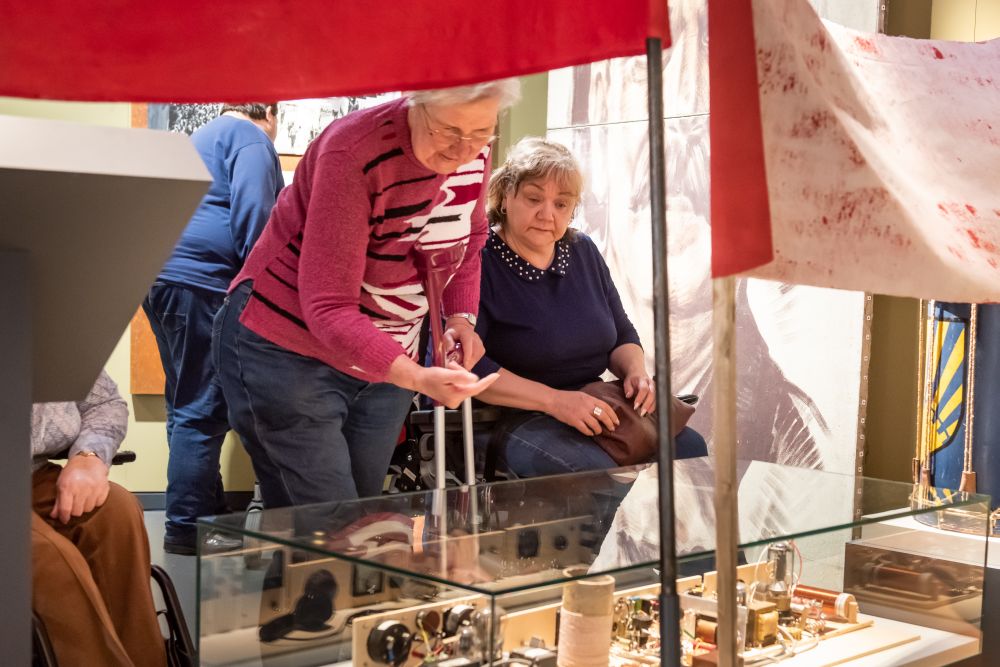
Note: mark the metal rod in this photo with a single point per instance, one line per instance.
(470, 465)
(439, 455)
(669, 602)
(470, 457)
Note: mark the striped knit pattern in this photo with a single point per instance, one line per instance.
(334, 276)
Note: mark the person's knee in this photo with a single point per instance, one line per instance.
(120, 511)
(690, 444)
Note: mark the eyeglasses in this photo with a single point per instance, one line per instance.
(452, 135)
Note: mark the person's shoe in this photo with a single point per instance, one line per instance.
(215, 543)
(180, 548)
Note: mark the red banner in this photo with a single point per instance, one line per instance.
(250, 50)
(741, 220)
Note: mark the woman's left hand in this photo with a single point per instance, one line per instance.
(461, 339)
(642, 389)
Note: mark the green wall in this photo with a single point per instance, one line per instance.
(527, 117)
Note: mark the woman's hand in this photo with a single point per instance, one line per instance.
(586, 414)
(451, 385)
(82, 486)
(641, 387)
(462, 343)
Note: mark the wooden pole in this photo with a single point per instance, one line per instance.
(724, 437)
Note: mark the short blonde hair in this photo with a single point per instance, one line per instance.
(507, 91)
(531, 159)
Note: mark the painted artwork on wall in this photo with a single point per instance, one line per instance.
(800, 349)
(299, 121)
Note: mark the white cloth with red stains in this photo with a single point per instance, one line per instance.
(883, 158)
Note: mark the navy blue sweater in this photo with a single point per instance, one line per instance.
(246, 179)
(557, 326)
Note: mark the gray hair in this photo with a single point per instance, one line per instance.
(507, 91)
(530, 159)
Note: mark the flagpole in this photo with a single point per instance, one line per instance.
(670, 655)
(930, 371)
(968, 483)
(918, 454)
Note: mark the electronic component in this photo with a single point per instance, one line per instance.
(528, 543)
(782, 560)
(762, 623)
(311, 611)
(486, 620)
(468, 642)
(389, 643)
(429, 621)
(706, 629)
(535, 656)
(366, 581)
(456, 617)
(840, 606)
(635, 621)
(884, 576)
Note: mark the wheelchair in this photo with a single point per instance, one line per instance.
(179, 645)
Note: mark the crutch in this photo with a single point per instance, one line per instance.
(434, 265)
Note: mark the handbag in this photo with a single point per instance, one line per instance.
(634, 440)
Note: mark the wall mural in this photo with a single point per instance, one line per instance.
(800, 349)
(299, 121)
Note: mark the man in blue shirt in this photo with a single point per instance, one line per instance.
(238, 149)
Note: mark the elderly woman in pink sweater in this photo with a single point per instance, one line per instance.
(316, 346)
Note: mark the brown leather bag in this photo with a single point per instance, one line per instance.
(634, 440)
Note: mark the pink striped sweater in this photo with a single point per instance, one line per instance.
(333, 275)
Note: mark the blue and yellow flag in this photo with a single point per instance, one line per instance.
(950, 352)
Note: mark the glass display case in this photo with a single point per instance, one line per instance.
(562, 569)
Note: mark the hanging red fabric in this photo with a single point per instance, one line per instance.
(741, 218)
(241, 50)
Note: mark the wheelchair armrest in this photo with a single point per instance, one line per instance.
(123, 456)
(120, 457)
(423, 420)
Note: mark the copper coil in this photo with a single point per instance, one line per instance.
(705, 630)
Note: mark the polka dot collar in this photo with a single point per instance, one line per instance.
(521, 267)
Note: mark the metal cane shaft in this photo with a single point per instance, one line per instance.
(439, 468)
(470, 457)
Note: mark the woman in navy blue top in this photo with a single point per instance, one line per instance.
(551, 320)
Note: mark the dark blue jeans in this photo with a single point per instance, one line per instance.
(542, 445)
(181, 319)
(314, 434)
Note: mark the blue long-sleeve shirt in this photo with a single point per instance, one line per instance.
(557, 326)
(246, 180)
